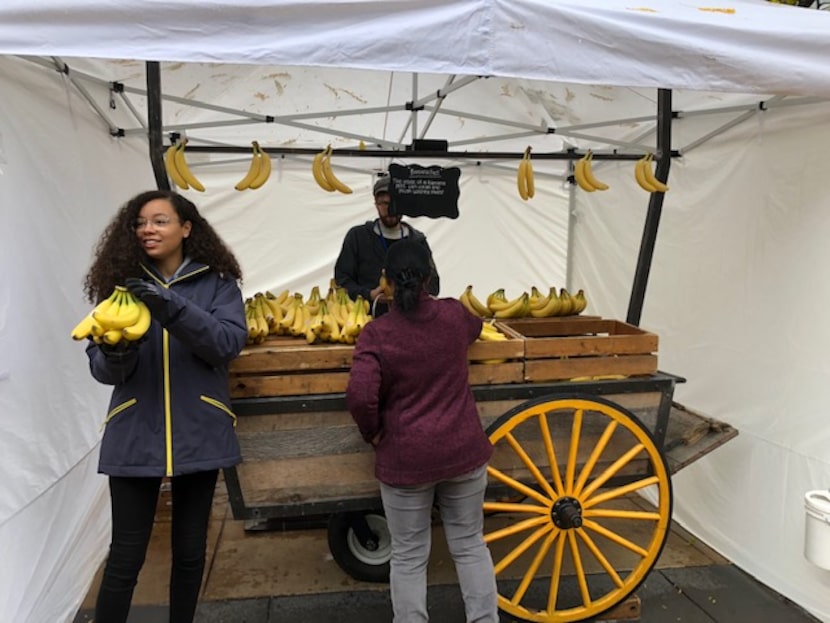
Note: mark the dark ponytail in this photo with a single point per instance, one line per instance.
(407, 266)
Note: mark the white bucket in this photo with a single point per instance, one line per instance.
(817, 532)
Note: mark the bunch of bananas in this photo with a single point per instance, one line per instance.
(323, 174)
(644, 175)
(584, 174)
(490, 333)
(258, 171)
(121, 316)
(524, 177)
(177, 168)
(533, 304)
(335, 318)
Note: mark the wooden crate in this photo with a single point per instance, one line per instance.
(576, 347)
(287, 366)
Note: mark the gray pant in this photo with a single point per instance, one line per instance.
(408, 514)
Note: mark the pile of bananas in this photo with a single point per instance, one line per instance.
(489, 333)
(258, 171)
(534, 304)
(644, 175)
(324, 176)
(121, 316)
(524, 177)
(335, 318)
(584, 174)
(177, 169)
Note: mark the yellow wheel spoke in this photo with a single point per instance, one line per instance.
(616, 538)
(556, 576)
(554, 464)
(570, 468)
(527, 524)
(589, 542)
(523, 547)
(512, 482)
(595, 454)
(621, 514)
(579, 569)
(512, 507)
(532, 569)
(615, 467)
(619, 491)
(531, 466)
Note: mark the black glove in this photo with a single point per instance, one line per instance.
(146, 291)
(120, 350)
(164, 306)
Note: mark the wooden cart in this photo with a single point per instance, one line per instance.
(581, 419)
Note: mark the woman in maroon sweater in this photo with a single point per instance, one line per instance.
(410, 396)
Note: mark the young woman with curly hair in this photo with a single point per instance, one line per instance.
(169, 414)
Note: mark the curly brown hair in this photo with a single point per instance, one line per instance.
(119, 255)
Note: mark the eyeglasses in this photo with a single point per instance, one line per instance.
(160, 222)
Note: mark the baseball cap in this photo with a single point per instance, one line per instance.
(381, 185)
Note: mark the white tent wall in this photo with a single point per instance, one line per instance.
(61, 177)
(738, 296)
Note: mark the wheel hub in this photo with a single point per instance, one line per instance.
(566, 513)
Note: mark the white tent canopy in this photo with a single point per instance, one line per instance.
(739, 46)
(742, 234)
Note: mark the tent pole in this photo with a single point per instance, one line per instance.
(655, 207)
(154, 133)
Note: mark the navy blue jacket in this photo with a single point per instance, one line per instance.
(170, 409)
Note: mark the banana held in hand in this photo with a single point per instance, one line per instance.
(331, 178)
(170, 166)
(184, 170)
(264, 169)
(253, 169)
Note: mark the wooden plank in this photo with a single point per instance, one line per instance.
(301, 480)
(506, 349)
(493, 373)
(291, 354)
(540, 370)
(255, 386)
(628, 610)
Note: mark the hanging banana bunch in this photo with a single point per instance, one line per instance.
(645, 177)
(323, 174)
(524, 177)
(584, 174)
(178, 169)
(258, 171)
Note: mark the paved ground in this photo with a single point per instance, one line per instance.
(716, 593)
(289, 576)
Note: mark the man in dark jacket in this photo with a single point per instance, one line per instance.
(358, 267)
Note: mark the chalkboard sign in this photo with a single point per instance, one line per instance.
(424, 191)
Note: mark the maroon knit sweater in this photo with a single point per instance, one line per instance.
(409, 382)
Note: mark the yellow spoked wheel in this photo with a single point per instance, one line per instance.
(579, 540)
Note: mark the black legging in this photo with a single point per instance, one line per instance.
(134, 503)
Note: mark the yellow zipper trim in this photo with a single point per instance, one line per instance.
(221, 406)
(124, 405)
(168, 420)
